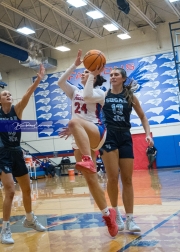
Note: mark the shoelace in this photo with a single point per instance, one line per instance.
(8, 233)
(118, 219)
(131, 221)
(36, 222)
(85, 158)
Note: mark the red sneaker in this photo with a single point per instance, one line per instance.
(86, 165)
(111, 222)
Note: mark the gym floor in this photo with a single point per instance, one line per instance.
(74, 223)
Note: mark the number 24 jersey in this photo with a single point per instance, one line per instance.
(84, 110)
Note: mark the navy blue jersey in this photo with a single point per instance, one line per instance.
(116, 111)
(8, 136)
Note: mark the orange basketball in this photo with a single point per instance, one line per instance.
(94, 58)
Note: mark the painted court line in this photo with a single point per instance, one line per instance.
(147, 232)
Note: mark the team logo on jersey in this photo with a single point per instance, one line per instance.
(6, 168)
(78, 97)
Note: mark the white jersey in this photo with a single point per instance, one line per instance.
(86, 103)
(84, 110)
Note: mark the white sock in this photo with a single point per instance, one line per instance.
(5, 224)
(29, 216)
(129, 215)
(105, 211)
(117, 210)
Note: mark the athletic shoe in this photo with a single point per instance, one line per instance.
(132, 226)
(86, 165)
(5, 236)
(110, 221)
(34, 224)
(119, 222)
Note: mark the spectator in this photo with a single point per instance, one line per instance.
(151, 153)
(48, 167)
(99, 164)
(51, 168)
(45, 165)
(65, 160)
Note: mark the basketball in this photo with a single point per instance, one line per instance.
(94, 58)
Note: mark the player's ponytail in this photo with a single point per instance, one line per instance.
(99, 80)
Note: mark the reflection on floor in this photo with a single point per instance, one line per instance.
(74, 223)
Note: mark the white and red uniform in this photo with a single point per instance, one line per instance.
(86, 103)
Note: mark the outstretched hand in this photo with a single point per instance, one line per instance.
(150, 141)
(78, 60)
(41, 72)
(64, 133)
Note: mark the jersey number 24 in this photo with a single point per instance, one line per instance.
(80, 108)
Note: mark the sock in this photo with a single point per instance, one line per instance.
(129, 215)
(105, 211)
(29, 216)
(5, 224)
(117, 210)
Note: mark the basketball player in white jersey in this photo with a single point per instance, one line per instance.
(89, 133)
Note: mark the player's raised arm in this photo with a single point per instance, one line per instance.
(62, 82)
(20, 106)
(91, 94)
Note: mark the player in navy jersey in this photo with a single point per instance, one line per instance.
(12, 161)
(118, 149)
(88, 132)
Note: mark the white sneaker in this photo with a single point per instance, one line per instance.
(5, 236)
(34, 224)
(119, 221)
(132, 226)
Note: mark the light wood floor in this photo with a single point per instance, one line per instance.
(74, 223)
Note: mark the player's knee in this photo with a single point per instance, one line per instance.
(72, 123)
(10, 193)
(127, 181)
(113, 180)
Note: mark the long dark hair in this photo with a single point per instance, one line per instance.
(99, 80)
(127, 85)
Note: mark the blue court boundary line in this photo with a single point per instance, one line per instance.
(147, 232)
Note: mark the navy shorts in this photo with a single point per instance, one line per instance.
(121, 140)
(12, 161)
